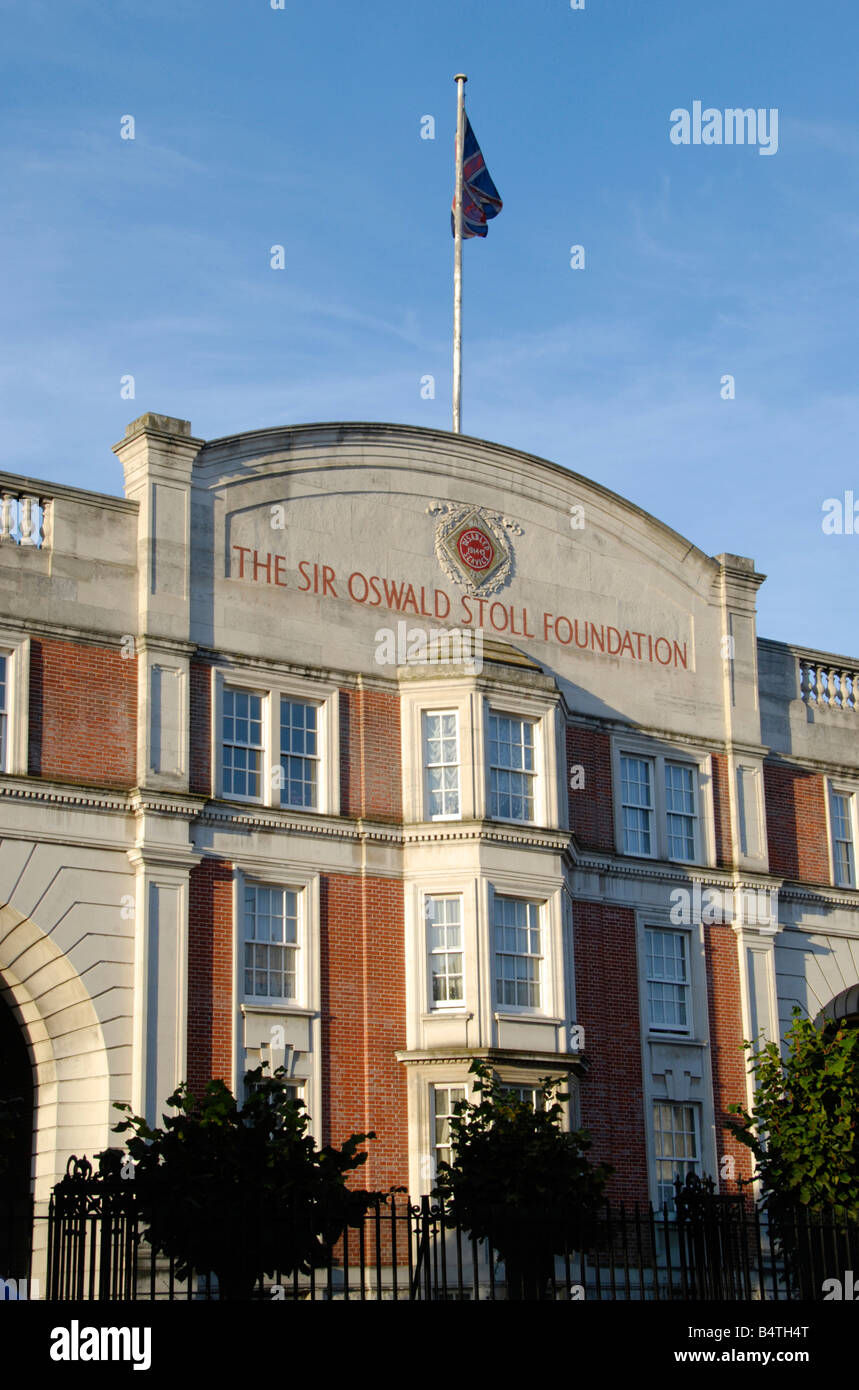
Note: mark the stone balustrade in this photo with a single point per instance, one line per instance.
(828, 686)
(22, 518)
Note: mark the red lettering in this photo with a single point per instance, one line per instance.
(547, 619)
(243, 551)
(302, 566)
(667, 660)
(266, 567)
(374, 590)
(437, 594)
(328, 577)
(627, 642)
(526, 633)
(680, 655)
(565, 641)
(464, 604)
(578, 643)
(393, 595)
(357, 575)
(278, 561)
(613, 651)
(503, 627)
(425, 613)
(410, 600)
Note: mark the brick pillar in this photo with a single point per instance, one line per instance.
(728, 1067)
(364, 1021)
(211, 1008)
(607, 1005)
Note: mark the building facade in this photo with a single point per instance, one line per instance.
(367, 750)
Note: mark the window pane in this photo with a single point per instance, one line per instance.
(680, 808)
(441, 761)
(299, 757)
(636, 805)
(444, 1100)
(271, 942)
(841, 811)
(518, 953)
(444, 941)
(511, 768)
(241, 728)
(675, 1131)
(667, 980)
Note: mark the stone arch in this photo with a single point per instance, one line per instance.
(71, 1083)
(844, 1006)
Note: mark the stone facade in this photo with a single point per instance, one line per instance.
(607, 834)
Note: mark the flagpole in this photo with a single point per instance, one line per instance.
(460, 81)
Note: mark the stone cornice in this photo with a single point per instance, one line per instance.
(492, 833)
(51, 794)
(442, 1056)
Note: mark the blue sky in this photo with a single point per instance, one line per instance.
(301, 127)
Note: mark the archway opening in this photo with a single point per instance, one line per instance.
(16, 1147)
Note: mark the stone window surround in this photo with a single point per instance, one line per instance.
(271, 686)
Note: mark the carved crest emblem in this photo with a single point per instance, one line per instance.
(471, 546)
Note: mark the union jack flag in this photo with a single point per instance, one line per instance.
(480, 199)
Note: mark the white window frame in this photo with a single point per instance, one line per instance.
(229, 688)
(448, 1086)
(271, 688)
(694, 1163)
(314, 758)
(838, 788)
(531, 774)
(301, 1018)
(16, 650)
(444, 1005)
(296, 949)
(550, 809)
(658, 755)
(528, 1010)
(657, 1029)
(427, 714)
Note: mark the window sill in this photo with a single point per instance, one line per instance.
(525, 1016)
(277, 1006)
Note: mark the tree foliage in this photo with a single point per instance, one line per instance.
(520, 1180)
(241, 1191)
(802, 1127)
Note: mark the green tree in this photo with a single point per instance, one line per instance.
(802, 1129)
(241, 1191)
(520, 1180)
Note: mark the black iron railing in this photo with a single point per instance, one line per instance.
(711, 1247)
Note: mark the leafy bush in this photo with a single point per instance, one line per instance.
(241, 1191)
(802, 1127)
(520, 1180)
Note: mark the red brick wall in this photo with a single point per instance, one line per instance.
(370, 756)
(607, 1007)
(722, 810)
(796, 823)
(200, 701)
(83, 713)
(364, 1021)
(591, 815)
(211, 1011)
(727, 1062)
